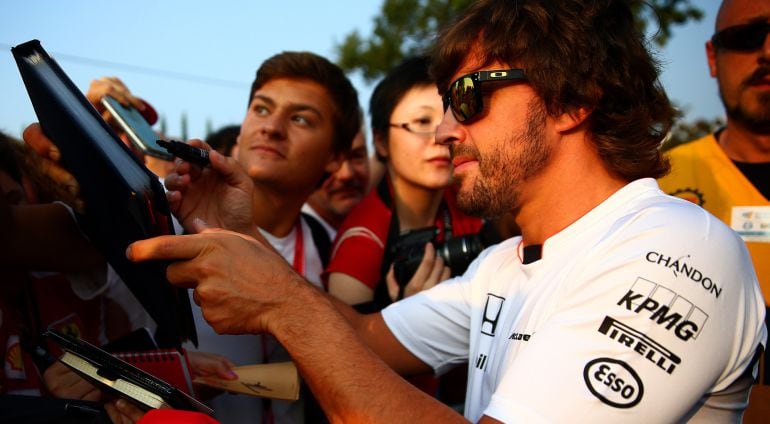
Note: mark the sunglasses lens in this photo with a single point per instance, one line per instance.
(742, 37)
(463, 99)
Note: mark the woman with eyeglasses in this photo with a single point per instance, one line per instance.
(412, 210)
(400, 238)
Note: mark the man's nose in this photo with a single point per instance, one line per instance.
(274, 127)
(447, 132)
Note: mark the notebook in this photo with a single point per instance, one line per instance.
(170, 365)
(279, 380)
(124, 201)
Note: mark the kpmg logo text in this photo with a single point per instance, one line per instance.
(666, 308)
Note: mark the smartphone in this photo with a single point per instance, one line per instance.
(139, 132)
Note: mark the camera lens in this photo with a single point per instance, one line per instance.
(459, 252)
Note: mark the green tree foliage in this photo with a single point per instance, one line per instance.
(403, 28)
(407, 27)
(664, 15)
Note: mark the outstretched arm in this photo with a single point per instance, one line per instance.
(244, 287)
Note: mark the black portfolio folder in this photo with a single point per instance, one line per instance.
(124, 201)
(117, 376)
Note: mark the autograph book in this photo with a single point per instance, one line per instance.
(170, 365)
(115, 375)
(124, 201)
(279, 380)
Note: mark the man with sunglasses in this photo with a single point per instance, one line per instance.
(617, 304)
(728, 172)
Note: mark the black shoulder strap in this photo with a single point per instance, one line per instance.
(381, 296)
(383, 191)
(320, 238)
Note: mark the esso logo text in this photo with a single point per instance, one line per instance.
(613, 382)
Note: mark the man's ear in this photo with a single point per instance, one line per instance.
(711, 56)
(570, 120)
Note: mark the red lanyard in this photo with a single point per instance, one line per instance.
(299, 250)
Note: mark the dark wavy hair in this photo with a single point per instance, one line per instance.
(410, 73)
(576, 53)
(310, 66)
(10, 156)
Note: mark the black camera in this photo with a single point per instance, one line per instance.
(409, 248)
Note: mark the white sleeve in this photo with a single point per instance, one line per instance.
(434, 324)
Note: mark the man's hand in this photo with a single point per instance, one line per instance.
(122, 411)
(205, 364)
(113, 87)
(430, 272)
(239, 283)
(64, 383)
(220, 194)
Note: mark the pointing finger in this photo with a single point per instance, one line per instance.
(165, 248)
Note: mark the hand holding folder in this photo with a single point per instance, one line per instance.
(124, 201)
(119, 377)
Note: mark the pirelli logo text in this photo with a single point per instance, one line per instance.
(641, 344)
(666, 308)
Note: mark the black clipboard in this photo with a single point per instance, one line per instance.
(124, 201)
(121, 378)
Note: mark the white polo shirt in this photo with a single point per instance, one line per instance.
(645, 309)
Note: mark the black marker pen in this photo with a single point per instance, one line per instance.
(186, 152)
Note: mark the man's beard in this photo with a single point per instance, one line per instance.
(759, 121)
(495, 190)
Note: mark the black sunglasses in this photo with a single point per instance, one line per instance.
(464, 94)
(744, 38)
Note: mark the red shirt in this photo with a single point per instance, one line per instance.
(362, 238)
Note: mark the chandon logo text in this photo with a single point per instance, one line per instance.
(680, 267)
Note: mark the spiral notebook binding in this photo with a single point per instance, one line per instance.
(157, 362)
(160, 355)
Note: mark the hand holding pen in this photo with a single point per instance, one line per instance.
(186, 152)
(209, 187)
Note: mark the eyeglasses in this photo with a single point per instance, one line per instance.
(422, 127)
(743, 38)
(465, 96)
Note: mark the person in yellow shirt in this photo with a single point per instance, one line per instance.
(728, 172)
